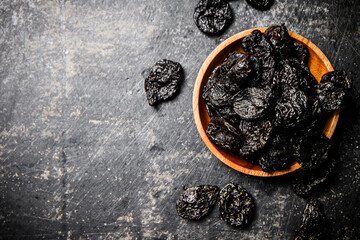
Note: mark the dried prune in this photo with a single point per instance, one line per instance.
(236, 205)
(277, 155)
(301, 52)
(332, 89)
(196, 202)
(291, 108)
(252, 103)
(314, 224)
(239, 73)
(261, 4)
(280, 40)
(257, 134)
(256, 42)
(311, 151)
(304, 182)
(163, 81)
(223, 134)
(212, 16)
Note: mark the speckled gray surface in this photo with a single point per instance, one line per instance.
(82, 155)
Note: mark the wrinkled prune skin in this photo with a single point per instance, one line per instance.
(280, 40)
(277, 155)
(257, 134)
(255, 42)
(252, 103)
(314, 224)
(212, 16)
(196, 202)
(239, 73)
(291, 108)
(236, 205)
(311, 151)
(222, 133)
(332, 89)
(163, 81)
(301, 52)
(261, 4)
(305, 182)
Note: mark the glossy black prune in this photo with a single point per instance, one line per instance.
(280, 40)
(277, 155)
(311, 151)
(163, 81)
(212, 16)
(257, 134)
(236, 205)
(291, 108)
(314, 224)
(222, 133)
(196, 202)
(255, 42)
(301, 52)
(252, 103)
(305, 182)
(261, 4)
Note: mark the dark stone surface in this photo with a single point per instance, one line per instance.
(83, 155)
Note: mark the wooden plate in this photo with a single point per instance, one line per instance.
(318, 63)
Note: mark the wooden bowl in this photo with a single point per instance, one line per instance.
(318, 63)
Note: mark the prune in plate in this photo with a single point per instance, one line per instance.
(261, 4)
(257, 134)
(252, 103)
(255, 42)
(301, 52)
(196, 202)
(212, 16)
(277, 155)
(314, 224)
(236, 205)
(222, 133)
(163, 81)
(305, 182)
(280, 40)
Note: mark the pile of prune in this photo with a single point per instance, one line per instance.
(236, 204)
(267, 107)
(163, 81)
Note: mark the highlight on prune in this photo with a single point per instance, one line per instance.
(314, 223)
(270, 101)
(261, 4)
(236, 205)
(212, 16)
(196, 202)
(163, 81)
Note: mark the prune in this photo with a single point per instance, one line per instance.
(311, 151)
(313, 223)
(212, 16)
(261, 4)
(304, 182)
(252, 103)
(280, 40)
(257, 134)
(239, 73)
(196, 202)
(255, 42)
(277, 155)
(332, 89)
(223, 134)
(236, 205)
(301, 52)
(163, 81)
(291, 108)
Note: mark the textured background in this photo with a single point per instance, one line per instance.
(83, 155)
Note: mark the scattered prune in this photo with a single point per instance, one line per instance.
(277, 155)
(304, 182)
(212, 16)
(163, 81)
(311, 151)
(236, 205)
(261, 4)
(332, 89)
(252, 103)
(257, 134)
(280, 40)
(314, 224)
(223, 134)
(291, 108)
(196, 202)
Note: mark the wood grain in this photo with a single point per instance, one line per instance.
(318, 64)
